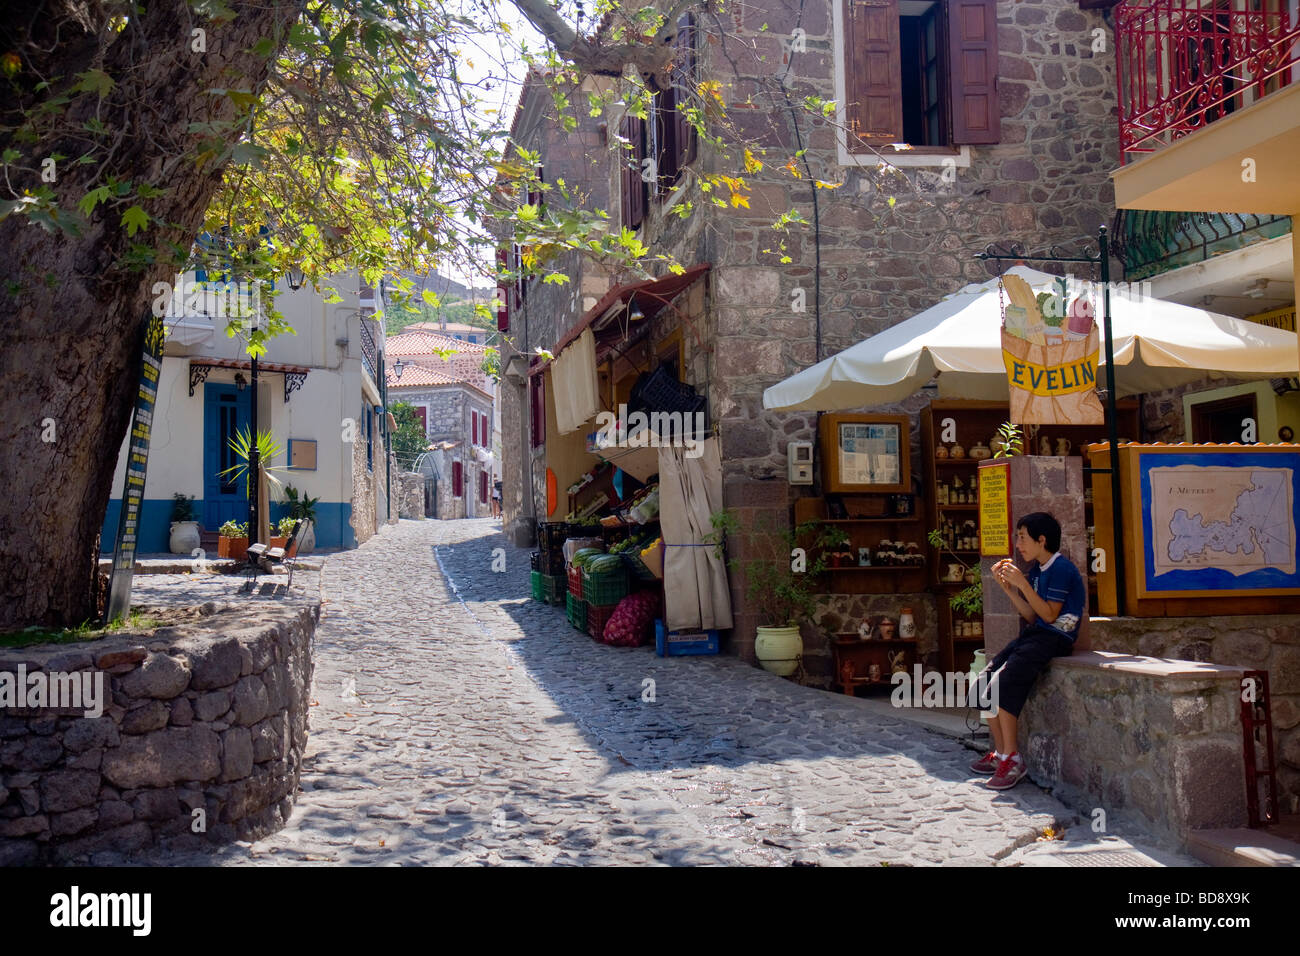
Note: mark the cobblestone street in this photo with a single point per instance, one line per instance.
(457, 721)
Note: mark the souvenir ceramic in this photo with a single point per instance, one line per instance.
(1063, 446)
(1044, 445)
(980, 452)
(874, 672)
(958, 451)
(897, 662)
(941, 452)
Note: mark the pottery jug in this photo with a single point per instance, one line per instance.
(1063, 446)
(874, 672)
(980, 452)
(897, 662)
(1044, 445)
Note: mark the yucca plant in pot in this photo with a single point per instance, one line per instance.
(242, 444)
(781, 582)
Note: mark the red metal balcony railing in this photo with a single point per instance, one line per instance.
(1183, 65)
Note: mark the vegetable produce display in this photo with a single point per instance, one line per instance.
(629, 625)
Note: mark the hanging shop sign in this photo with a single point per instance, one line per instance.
(1050, 348)
(137, 463)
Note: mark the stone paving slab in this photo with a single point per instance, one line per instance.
(455, 721)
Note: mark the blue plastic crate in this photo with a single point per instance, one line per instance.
(676, 643)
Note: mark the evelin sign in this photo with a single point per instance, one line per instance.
(995, 509)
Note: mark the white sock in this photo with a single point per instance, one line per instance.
(999, 756)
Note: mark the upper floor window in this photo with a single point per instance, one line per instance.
(921, 72)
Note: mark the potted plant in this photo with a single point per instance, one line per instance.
(185, 530)
(283, 528)
(233, 542)
(243, 444)
(780, 583)
(303, 507)
(969, 600)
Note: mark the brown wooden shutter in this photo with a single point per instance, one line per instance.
(683, 91)
(873, 76)
(973, 71)
(633, 185)
(503, 312)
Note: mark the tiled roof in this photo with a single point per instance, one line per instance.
(437, 328)
(420, 342)
(426, 371)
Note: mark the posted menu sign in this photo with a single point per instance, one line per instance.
(995, 509)
(128, 522)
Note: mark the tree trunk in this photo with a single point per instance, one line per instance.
(70, 312)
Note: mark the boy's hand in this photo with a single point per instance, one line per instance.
(999, 574)
(1013, 577)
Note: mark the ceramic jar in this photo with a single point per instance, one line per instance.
(906, 623)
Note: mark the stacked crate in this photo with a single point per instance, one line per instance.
(601, 593)
(548, 563)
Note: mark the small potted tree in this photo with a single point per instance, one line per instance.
(184, 529)
(302, 507)
(233, 540)
(780, 583)
(283, 528)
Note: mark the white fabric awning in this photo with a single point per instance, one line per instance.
(1158, 345)
(191, 330)
(574, 385)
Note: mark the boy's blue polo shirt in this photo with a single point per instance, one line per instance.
(1059, 580)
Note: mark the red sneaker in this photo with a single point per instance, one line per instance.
(1009, 772)
(986, 764)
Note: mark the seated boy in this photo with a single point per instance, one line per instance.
(1051, 599)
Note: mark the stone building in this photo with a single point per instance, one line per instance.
(453, 397)
(1007, 113)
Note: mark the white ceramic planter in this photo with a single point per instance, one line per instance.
(184, 537)
(779, 649)
(307, 541)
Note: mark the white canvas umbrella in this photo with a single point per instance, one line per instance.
(1158, 345)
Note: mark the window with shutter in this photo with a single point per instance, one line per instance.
(537, 414)
(872, 72)
(921, 72)
(685, 81)
(482, 487)
(457, 479)
(973, 71)
(422, 413)
(503, 310)
(661, 144)
(633, 186)
(473, 427)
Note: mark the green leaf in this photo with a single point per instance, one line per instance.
(93, 198)
(135, 219)
(94, 81)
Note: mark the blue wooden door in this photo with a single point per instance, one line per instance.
(225, 412)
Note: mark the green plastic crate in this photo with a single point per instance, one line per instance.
(604, 589)
(535, 577)
(576, 611)
(555, 587)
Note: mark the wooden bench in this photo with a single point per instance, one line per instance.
(262, 556)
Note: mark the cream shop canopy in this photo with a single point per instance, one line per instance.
(1157, 344)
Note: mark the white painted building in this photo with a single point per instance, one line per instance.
(318, 393)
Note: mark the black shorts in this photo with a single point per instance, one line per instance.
(1019, 664)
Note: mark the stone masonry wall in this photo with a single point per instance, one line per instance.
(210, 716)
(1158, 740)
(411, 502)
(1268, 642)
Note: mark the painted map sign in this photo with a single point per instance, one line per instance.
(128, 522)
(1050, 349)
(1217, 522)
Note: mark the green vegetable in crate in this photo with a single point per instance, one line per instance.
(582, 555)
(604, 563)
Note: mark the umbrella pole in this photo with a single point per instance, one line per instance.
(1015, 251)
(1116, 504)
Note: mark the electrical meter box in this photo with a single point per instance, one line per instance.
(799, 458)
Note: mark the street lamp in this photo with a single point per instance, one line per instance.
(399, 367)
(295, 277)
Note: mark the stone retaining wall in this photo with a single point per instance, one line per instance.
(411, 501)
(208, 716)
(1268, 642)
(1157, 740)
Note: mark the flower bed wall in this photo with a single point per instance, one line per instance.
(201, 739)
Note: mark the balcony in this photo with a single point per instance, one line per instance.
(369, 354)
(1149, 243)
(1209, 115)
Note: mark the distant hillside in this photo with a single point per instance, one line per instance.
(448, 289)
(456, 304)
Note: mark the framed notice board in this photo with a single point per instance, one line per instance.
(865, 454)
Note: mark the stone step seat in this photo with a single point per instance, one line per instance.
(1242, 846)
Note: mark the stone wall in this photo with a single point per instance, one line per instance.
(412, 497)
(1268, 642)
(1158, 741)
(210, 715)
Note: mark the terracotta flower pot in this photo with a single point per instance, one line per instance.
(277, 542)
(234, 548)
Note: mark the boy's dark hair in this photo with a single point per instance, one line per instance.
(1040, 524)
